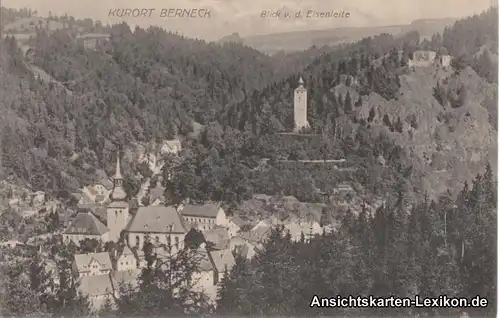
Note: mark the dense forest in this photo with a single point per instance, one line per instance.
(152, 85)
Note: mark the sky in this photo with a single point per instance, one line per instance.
(244, 16)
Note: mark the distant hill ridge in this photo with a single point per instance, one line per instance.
(301, 40)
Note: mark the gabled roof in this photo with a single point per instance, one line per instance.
(87, 224)
(218, 236)
(124, 277)
(82, 261)
(222, 259)
(257, 235)
(127, 251)
(209, 210)
(85, 199)
(202, 257)
(96, 285)
(106, 183)
(237, 221)
(156, 192)
(157, 219)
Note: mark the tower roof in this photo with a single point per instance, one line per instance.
(118, 174)
(301, 81)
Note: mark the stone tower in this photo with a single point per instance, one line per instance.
(118, 210)
(300, 107)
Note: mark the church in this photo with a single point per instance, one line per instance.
(161, 224)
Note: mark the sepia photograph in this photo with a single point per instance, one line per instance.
(248, 158)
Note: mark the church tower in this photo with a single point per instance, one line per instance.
(300, 107)
(118, 210)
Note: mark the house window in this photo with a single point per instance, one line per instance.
(169, 241)
(176, 242)
(121, 263)
(157, 240)
(137, 240)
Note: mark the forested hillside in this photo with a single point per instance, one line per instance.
(152, 85)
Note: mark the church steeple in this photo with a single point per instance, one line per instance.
(118, 173)
(301, 82)
(118, 192)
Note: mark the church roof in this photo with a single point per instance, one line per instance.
(157, 219)
(88, 224)
(209, 210)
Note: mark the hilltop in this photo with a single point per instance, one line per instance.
(302, 40)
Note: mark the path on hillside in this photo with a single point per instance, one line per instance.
(45, 77)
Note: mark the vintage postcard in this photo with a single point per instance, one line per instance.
(281, 158)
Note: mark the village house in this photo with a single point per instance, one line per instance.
(248, 243)
(92, 264)
(217, 237)
(223, 261)
(422, 59)
(234, 225)
(98, 288)
(86, 225)
(97, 192)
(243, 247)
(171, 147)
(93, 41)
(126, 260)
(204, 277)
(124, 278)
(204, 217)
(161, 224)
(156, 195)
(308, 229)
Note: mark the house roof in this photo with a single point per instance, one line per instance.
(218, 236)
(85, 199)
(88, 224)
(202, 257)
(124, 277)
(96, 285)
(208, 210)
(156, 192)
(127, 251)
(106, 183)
(222, 259)
(257, 235)
(157, 219)
(83, 260)
(237, 221)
